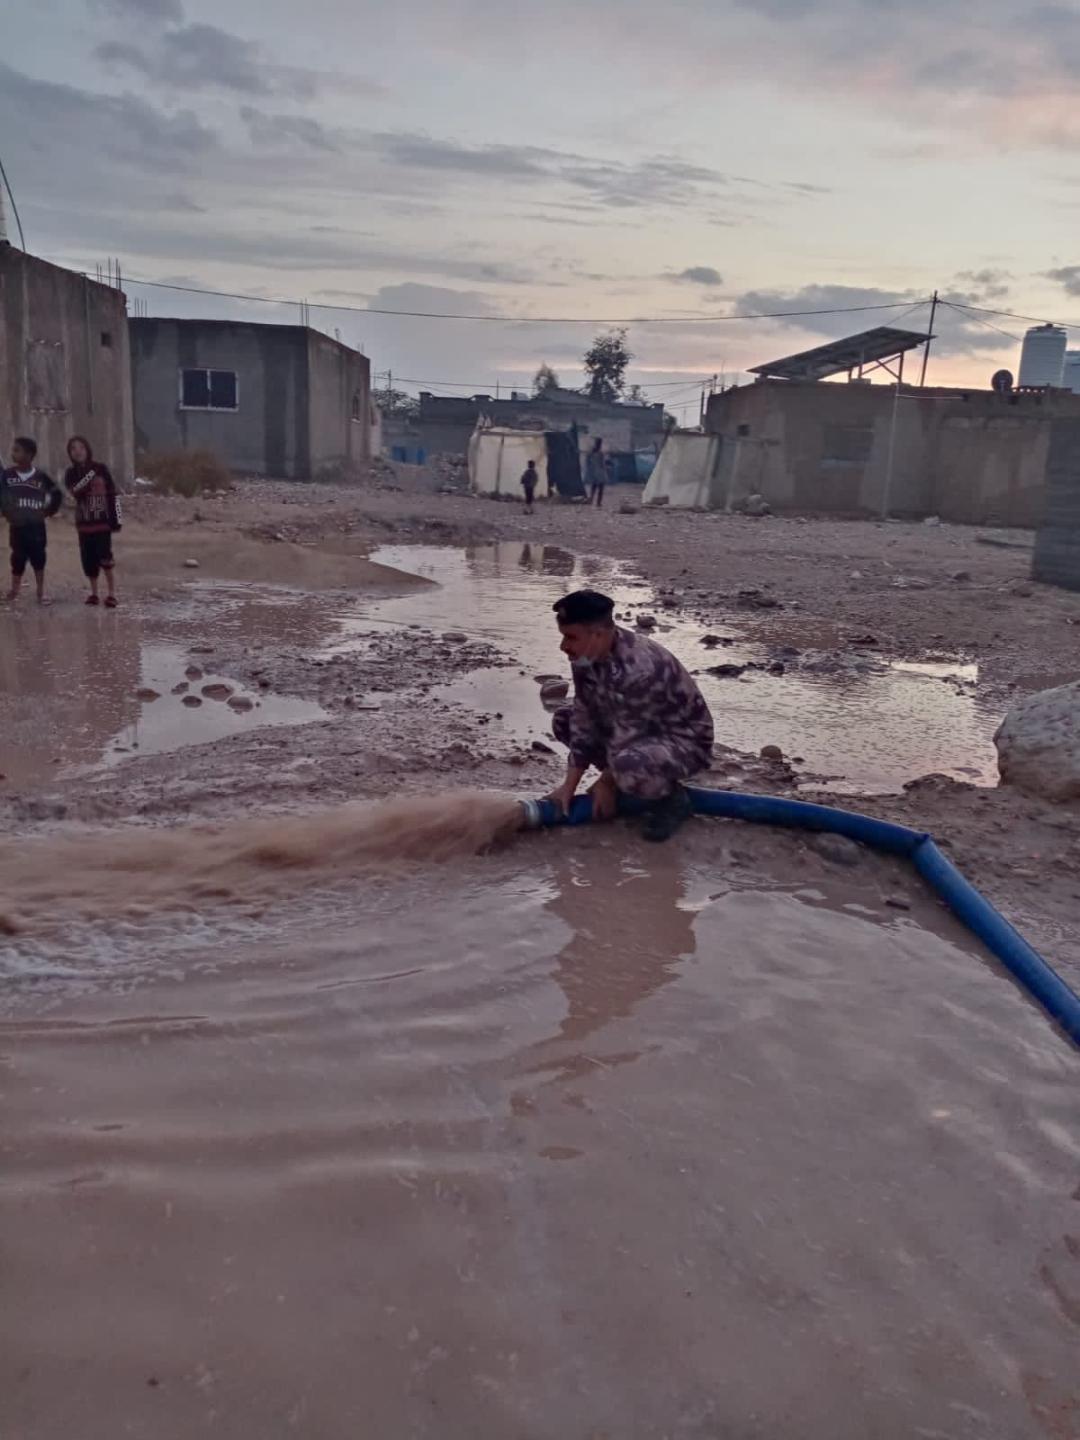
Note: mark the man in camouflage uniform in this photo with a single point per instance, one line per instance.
(637, 716)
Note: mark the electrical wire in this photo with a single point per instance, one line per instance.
(1012, 315)
(965, 312)
(14, 207)
(521, 319)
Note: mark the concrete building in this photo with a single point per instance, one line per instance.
(972, 456)
(447, 421)
(1056, 559)
(64, 366)
(277, 400)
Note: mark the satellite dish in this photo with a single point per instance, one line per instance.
(1001, 381)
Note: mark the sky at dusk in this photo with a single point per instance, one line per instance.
(602, 160)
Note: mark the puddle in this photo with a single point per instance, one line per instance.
(871, 722)
(85, 688)
(626, 1133)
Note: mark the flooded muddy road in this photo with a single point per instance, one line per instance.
(572, 1139)
(332, 1121)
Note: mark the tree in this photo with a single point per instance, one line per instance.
(396, 403)
(545, 379)
(636, 395)
(605, 365)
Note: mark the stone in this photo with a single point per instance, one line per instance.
(757, 600)
(755, 505)
(627, 509)
(241, 703)
(217, 691)
(897, 902)
(932, 520)
(190, 564)
(771, 752)
(837, 849)
(541, 749)
(726, 672)
(455, 637)
(910, 582)
(646, 622)
(1038, 744)
(961, 577)
(553, 690)
(191, 701)
(147, 695)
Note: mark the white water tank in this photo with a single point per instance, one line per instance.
(1042, 359)
(1071, 378)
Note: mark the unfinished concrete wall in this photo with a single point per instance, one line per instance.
(1056, 560)
(64, 364)
(973, 457)
(446, 422)
(340, 412)
(267, 433)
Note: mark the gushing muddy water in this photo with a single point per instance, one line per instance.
(571, 1138)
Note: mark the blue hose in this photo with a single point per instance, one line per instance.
(1025, 964)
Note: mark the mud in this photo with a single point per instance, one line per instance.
(332, 1117)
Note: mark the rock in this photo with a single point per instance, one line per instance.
(241, 703)
(646, 622)
(910, 582)
(726, 672)
(855, 575)
(755, 505)
(711, 641)
(191, 701)
(190, 564)
(778, 668)
(961, 577)
(1022, 592)
(771, 752)
(147, 695)
(455, 637)
(217, 692)
(757, 600)
(932, 520)
(627, 509)
(202, 649)
(553, 690)
(897, 902)
(863, 642)
(837, 849)
(541, 749)
(1038, 744)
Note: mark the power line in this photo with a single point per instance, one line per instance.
(962, 311)
(1012, 315)
(520, 319)
(484, 386)
(14, 207)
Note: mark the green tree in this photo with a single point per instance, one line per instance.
(545, 379)
(605, 365)
(396, 403)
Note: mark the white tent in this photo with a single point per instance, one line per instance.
(687, 473)
(498, 457)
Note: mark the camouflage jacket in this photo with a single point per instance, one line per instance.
(638, 692)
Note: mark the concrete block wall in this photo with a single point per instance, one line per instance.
(1056, 559)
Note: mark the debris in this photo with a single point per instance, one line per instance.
(757, 600)
(910, 582)
(932, 520)
(455, 637)
(541, 748)
(191, 564)
(553, 690)
(960, 577)
(147, 695)
(897, 902)
(726, 672)
(771, 752)
(646, 622)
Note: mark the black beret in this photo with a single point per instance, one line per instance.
(584, 607)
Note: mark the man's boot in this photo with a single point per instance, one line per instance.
(664, 817)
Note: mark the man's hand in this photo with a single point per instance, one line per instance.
(563, 795)
(605, 797)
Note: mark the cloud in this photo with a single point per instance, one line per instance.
(196, 57)
(1067, 276)
(289, 131)
(698, 275)
(431, 299)
(144, 9)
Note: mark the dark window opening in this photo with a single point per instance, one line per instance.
(106, 340)
(357, 406)
(208, 390)
(742, 429)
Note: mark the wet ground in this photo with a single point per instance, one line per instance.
(578, 1139)
(93, 687)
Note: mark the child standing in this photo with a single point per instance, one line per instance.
(529, 479)
(97, 516)
(28, 497)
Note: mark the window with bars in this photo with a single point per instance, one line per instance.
(209, 390)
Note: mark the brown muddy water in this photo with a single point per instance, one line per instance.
(867, 722)
(572, 1138)
(380, 1121)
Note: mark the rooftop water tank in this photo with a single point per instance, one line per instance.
(1042, 359)
(1071, 379)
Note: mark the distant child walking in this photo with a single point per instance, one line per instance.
(97, 516)
(28, 497)
(529, 481)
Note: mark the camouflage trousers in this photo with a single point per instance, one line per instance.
(646, 769)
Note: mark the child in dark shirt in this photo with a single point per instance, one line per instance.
(97, 516)
(28, 497)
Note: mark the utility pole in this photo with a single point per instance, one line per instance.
(929, 337)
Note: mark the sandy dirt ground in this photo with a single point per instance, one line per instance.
(379, 723)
